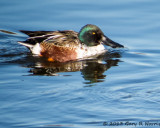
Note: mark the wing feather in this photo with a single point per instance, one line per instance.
(35, 33)
(59, 38)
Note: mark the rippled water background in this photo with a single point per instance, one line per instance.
(120, 86)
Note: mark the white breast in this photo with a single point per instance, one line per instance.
(85, 51)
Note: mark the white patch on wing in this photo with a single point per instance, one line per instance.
(36, 49)
(85, 51)
(52, 37)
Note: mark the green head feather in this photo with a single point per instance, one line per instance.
(90, 35)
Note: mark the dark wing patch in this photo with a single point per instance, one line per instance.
(35, 40)
(62, 38)
(36, 33)
(58, 38)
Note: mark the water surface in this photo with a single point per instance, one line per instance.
(118, 87)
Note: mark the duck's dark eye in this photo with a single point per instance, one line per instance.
(93, 33)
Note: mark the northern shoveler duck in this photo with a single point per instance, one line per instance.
(68, 45)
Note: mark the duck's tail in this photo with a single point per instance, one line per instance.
(35, 49)
(30, 46)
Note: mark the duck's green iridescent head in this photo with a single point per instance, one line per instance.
(91, 35)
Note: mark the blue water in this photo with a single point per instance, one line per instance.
(120, 87)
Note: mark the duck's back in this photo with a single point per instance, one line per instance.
(59, 38)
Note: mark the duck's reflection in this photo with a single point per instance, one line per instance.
(92, 70)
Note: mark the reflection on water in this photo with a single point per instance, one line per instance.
(92, 70)
(7, 32)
